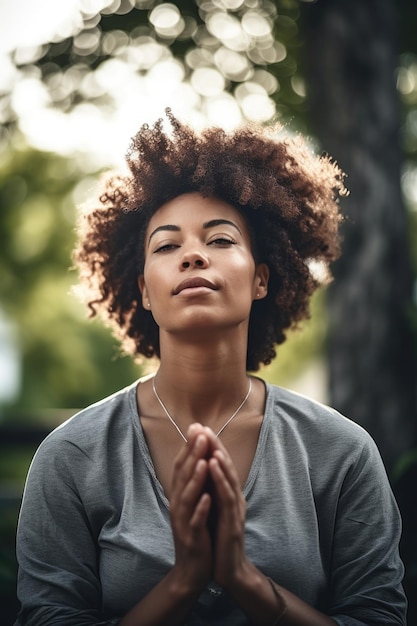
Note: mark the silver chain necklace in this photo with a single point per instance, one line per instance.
(173, 422)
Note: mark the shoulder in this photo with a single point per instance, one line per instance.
(318, 428)
(336, 453)
(89, 430)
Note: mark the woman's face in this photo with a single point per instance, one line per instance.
(199, 270)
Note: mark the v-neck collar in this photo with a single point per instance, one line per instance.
(253, 472)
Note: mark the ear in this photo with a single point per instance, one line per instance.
(142, 288)
(261, 281)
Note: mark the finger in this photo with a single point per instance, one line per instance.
(178, 464)
(215, 442)
(219, 452)
(185, 502)
(201, 512)
(193, 431)
(228, 467)
(228, 492)
(186, 461)
(217, 445)
(224, 489)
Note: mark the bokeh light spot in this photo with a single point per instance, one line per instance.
(166, 19)
(207, 81)
(255, 24)
(233, 65)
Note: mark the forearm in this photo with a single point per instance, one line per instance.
(267, 604)
(169, 602)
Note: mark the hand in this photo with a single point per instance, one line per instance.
(230, 561)
(189, 509)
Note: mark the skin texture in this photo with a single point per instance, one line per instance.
(213, 245)
(287, 194)
(150, 229)
(199, 282)
(200, 248)
(200, 255)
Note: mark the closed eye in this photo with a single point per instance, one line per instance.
(166, 247)
(222, 241)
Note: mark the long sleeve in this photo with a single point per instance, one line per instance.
(321, 518)
(57, 552)
(366, 568)
(94, 533)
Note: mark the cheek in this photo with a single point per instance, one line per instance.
(243, 273)
(156, 279)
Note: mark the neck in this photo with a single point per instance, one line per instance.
(202, 383)
(221, 429)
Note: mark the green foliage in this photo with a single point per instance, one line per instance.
(67, 361)
(303, 349)
(254, 45)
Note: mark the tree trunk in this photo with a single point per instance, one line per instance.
(350, 68)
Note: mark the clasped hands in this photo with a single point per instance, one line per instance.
(207, 510)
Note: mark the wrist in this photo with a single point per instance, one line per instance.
(246, 578)
(258, 596)
(184, 585)
(282, 605)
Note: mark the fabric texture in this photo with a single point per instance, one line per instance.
(94, 533)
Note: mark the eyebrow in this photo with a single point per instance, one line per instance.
(206, 225)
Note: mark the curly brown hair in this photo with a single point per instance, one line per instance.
(288, 195)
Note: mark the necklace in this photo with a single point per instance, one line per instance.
(174, 423)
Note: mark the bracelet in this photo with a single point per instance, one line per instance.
(282, 603)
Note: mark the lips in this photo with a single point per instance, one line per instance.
(194, 283)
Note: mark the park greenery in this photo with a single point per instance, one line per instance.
(255, 60)
(39, 190)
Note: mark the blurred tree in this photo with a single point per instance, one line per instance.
(344, 55)
(232, 41)
(348, 54)
(221, 47)
(352, 59)
(352, 63)
(60, 349)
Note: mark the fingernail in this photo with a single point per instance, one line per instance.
(192, 429)
(200, 441)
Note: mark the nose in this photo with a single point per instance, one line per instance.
(194, 258)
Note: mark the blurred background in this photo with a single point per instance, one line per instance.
(78, 78)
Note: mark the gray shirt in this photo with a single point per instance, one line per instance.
(94, 532)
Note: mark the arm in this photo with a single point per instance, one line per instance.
(58, 553)
(56, 550)
(265, 602)
(172, 599)
(366, 572)
(366, 568)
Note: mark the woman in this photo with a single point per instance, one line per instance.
(203, 495)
